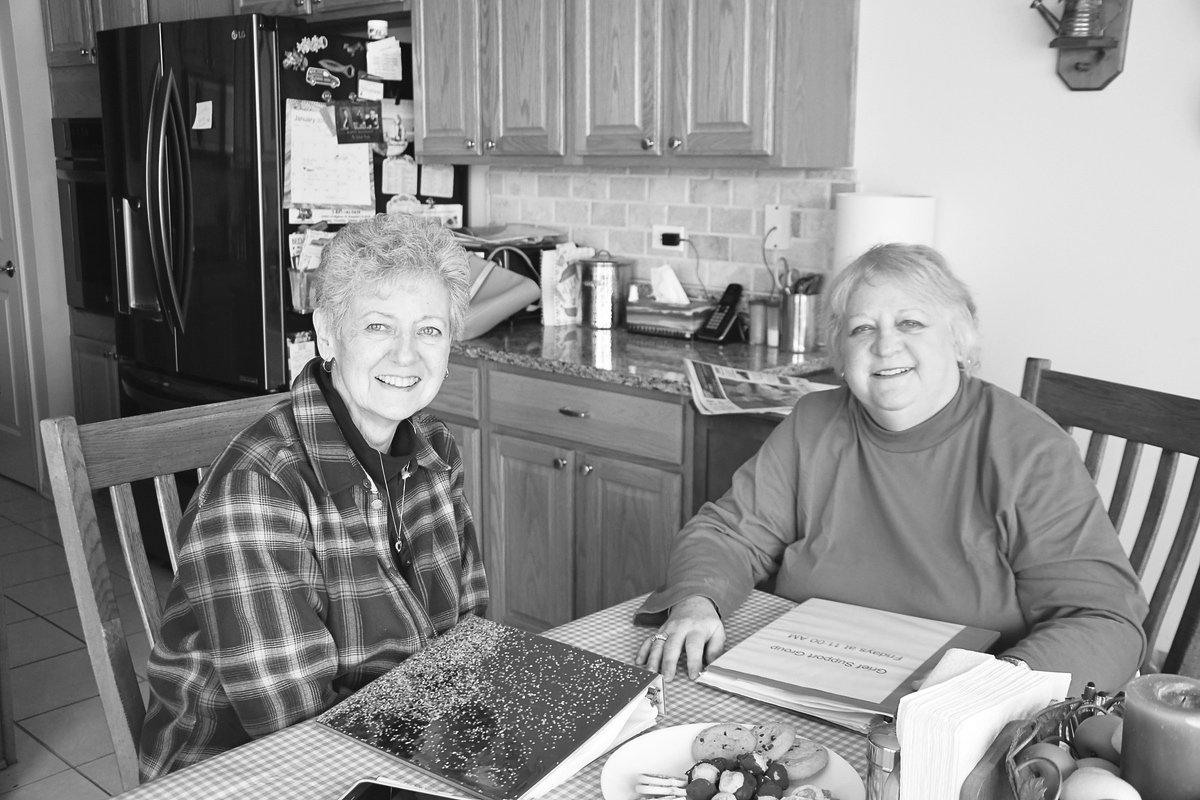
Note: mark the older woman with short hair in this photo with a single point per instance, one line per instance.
(916, 488)
(331, 540)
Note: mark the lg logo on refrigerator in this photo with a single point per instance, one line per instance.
(235, 35)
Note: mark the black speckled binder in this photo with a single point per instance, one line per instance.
(492, 709)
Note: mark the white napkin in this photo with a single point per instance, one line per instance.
(947, 726)
(666, 287)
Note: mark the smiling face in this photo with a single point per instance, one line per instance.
(390, 354)
(901, 359)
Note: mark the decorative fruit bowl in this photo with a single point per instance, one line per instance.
(1040, 778)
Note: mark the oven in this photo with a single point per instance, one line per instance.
(83, 211)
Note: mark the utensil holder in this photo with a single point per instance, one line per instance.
(798, 323)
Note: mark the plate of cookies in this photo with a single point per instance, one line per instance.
(728, 761)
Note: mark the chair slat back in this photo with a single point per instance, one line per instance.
(110, 455)
(1141, 417)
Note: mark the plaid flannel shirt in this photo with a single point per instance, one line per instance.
(287, 597)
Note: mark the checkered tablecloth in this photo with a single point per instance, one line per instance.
(309, 762)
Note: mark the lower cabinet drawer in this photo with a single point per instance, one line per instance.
(460, 393)
(590, 416)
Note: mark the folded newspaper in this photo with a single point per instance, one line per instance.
(725, 390)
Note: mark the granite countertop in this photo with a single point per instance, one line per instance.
(620, 357)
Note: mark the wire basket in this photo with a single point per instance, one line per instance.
(1055, 723)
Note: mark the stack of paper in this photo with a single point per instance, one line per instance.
(838, 662)
(947, 726)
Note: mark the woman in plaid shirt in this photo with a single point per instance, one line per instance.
(331, 539)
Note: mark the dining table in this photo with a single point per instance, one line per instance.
(310, 762)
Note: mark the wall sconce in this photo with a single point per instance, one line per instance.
(1090, 39)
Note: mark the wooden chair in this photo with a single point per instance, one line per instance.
(109, 455)
(1141, 417)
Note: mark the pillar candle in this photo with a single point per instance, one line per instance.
(1161, 737)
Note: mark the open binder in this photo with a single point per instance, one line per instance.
(500, 713)
(838, 662)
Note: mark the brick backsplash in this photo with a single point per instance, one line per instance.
(721, 210)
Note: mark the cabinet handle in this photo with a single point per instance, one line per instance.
(648, 143)
(674, 143)
(560, 463)
(83, 52)
(586, 469)
(489, 144)
(9, 268)
(111, 353)
(469, 144)
(570, 412)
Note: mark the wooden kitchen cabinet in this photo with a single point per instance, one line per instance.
(489, 79)
(70, 30)
(94, 367)
(585, 492)
(319, 8)
(71, 25)
(177, 10)
(760, 82)
(459, 405)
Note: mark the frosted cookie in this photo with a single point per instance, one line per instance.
(773, 739)
(723, 741)
(803, 759)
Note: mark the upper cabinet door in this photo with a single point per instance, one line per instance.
(617, 50)
(70, 33)
(446, 49)
(722, 77)
(523, 99)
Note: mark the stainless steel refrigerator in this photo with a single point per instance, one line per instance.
(193, 133)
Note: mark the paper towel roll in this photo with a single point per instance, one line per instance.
(865, 220)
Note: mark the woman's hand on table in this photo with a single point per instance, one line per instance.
(694, 628)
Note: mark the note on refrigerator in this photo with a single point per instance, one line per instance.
(399, 175)
(317, 170)
(383, 59)
(437, 180)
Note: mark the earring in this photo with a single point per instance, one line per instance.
(327, 364)
(447, 372)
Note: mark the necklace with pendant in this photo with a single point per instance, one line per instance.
(397, 524)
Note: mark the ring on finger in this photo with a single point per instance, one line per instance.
(660, 637)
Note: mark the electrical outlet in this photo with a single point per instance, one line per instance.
(657, 237)
(777, 227)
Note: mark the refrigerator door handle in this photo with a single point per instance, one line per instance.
(154, 190)
(161, 207)
(182, 232)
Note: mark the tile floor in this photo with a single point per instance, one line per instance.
(63, 746)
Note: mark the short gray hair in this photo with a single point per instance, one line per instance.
(919, 269)
(365, 256)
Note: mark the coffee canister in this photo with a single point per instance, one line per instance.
(605, 286)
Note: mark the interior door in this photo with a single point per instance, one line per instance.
(18, 429)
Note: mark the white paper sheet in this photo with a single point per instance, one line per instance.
(383, 59)
(317, 170)
(399, 175)
(437, 180)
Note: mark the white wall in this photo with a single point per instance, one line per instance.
(1074, 216)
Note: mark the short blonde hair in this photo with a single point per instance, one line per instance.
(389, 247)
(919, 269)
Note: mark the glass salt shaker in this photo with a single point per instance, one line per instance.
(883, 763)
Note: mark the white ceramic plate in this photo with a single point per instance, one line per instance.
(668, 751)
